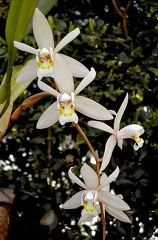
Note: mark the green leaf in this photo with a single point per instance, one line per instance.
(20, 13)
(153, 70)
(17, 89)
(124, 58)
(19, 23)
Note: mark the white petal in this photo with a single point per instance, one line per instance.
(130, 130)
(89, 216)
(65, 119)
(68, 38)
(24, 47)
(138, 145)
(77, 68)
(86, 80)
(112, 112)
(119, 214)
(89, 176)
(74, 178)
(102, 126)
(120, 143)
(28, 72)
(112, 200)
(102, 179)
(49, 117)
(91, 108)
(63, 75)
(42, 31)
(44, 87)
(74, 201)
(109, 147)
(110, 178)
(86, 218)
(120, 113)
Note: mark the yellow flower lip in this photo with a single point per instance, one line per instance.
(88, 207)
(44, 59)
(136, 138)
(88, 201)
(66, 106)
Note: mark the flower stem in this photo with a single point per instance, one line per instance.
(103, 221)
(98, 174)
(29, 102)
(86, 140)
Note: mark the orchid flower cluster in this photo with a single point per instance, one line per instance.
(48, 62)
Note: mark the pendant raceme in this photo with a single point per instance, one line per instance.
(133, 131)
(94, 193)
(43, 64)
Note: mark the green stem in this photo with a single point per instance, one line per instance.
(5, 88)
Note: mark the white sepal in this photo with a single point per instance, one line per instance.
(68, 38)
(120, 113)
(89, 176)
(112, 200)
(73, 177)
(63, 75)
(85, 81)
(102, 126)
(42, 31)
(77, 68)
(109, 147)
(24, 47)
(49, 117)
(74, 201)
(92, 109)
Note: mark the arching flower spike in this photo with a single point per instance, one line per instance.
(94, 193)
(133, 131)
(43, 64)
(68, 100)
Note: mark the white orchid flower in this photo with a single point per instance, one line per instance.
(43, 65)
(116, 213)
(133, 131)
(68, 100)
(94, 193)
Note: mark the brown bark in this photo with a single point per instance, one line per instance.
(4, 220)
(6, 199)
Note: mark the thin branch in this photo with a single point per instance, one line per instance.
(29, 102)
(117, 9)
(122, 11)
